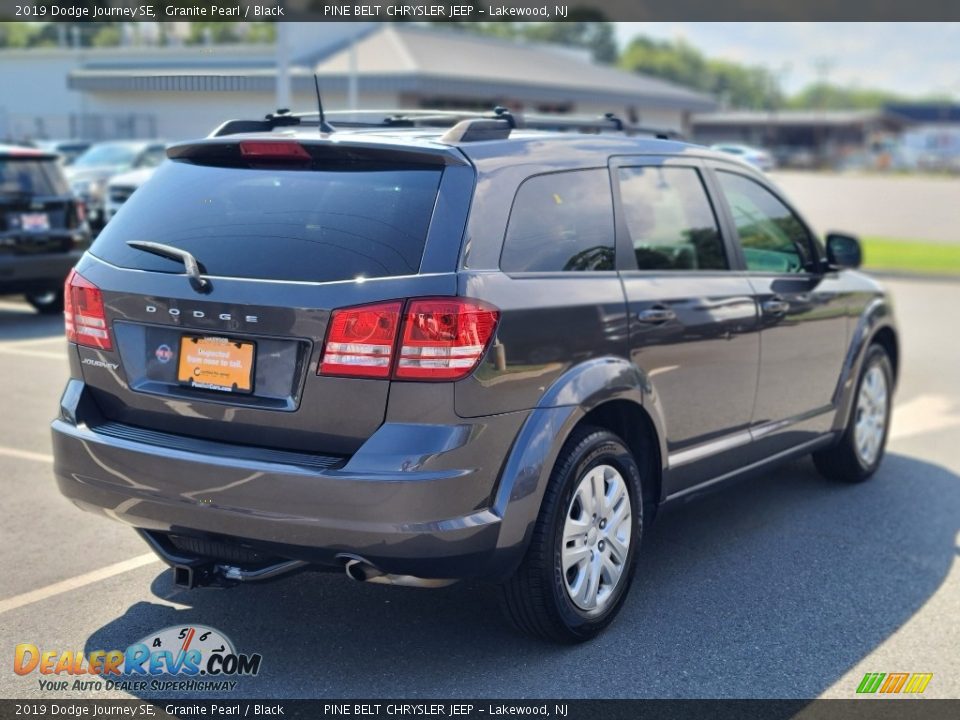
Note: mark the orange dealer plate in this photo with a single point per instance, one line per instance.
(216, 363)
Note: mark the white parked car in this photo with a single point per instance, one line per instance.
(122, 187)
(759, 158)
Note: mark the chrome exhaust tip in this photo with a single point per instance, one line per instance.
(360, 570)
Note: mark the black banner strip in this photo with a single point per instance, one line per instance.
(855, 709)
(478, 10)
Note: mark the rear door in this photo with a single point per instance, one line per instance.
(693, 318)
(281, 246)
(802, 310)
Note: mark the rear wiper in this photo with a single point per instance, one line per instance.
(198, 283)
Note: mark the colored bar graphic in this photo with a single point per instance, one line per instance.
(918, 682)
(870, 682)
(893, 683)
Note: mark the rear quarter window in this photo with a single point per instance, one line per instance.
(561, 221)
(297, 225)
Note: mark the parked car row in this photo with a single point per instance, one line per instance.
(90, 173)
(43, 226)
(55, 196)
(68, 150)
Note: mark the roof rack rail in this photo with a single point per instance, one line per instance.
(464, 126)
(485, 127)
(280, 118)
(400, 118)
(499, 125)
(606, 123)
(347, 119)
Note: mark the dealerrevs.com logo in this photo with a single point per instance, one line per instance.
(200, 658)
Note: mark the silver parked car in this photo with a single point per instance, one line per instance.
(90, 173)
(759, 158)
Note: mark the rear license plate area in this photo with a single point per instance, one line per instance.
(35, 222)
(219, 364)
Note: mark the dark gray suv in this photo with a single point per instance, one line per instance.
(423, 348)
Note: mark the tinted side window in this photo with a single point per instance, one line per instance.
(671, 221)
(772, 237)
(561, 221)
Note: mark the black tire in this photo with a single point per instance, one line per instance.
(47, 302)
(535, 599)
(842, 462)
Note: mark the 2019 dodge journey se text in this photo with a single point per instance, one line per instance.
(424, 347)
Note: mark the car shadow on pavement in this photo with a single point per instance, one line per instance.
(772, 587)
(27, 324)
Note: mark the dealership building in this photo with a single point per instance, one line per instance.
(822, 137)
(175, 92)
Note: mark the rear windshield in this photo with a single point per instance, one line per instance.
(306, 225)
(31, 176)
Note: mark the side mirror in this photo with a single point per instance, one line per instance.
(843, 251)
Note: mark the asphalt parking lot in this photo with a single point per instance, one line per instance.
(907, 207)
(783, 585)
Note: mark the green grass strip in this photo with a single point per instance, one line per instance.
(880, 253)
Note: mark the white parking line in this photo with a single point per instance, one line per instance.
(25, 454)
(33, 341)
(923, 414)
(32, 353)
(58, 588)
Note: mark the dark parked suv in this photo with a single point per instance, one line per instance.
(43, 229)
(424, 348)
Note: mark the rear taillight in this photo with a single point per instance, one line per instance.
(360, 341)
(444, 339)
(84, 318)
(81, 211)
(440, 339)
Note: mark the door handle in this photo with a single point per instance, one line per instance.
(656, 314)
(775, 306)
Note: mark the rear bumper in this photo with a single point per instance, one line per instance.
(23, 273)
(423, 510)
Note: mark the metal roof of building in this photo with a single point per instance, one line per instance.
(405, 58)
(464, 60)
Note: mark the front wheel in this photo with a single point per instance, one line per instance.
(858, 454)
(47, 302)
(579, 566)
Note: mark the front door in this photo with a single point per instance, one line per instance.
(803, 336)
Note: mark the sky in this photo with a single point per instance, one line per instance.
(913, 59)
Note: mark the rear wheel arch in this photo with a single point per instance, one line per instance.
(604, 392)
(631, 423)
